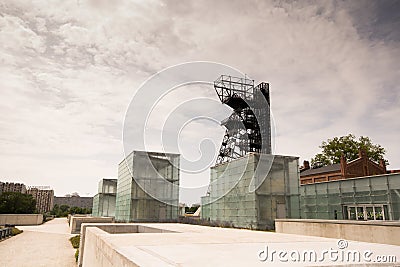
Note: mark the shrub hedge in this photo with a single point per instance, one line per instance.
(75, 241)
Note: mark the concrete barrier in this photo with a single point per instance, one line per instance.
(21, 219)
(105, 229)
(76, 221)
(384, 232)
(100, 252)
(194, 245)
(76, 215)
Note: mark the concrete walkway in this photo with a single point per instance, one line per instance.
(42, 245)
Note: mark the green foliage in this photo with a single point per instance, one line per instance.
(60, 211)
(75, 241)
(348, 145)
(64, 210)
(15, 231)
(17, 203)
(191, 209)
(320, 160)
(78, 210)
(77, 254)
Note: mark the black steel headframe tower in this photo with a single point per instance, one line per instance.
(248, 128)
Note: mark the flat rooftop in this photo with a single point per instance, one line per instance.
(193, 245)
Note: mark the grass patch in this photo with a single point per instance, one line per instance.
(15, 231)
(77, 254)
(75, 240)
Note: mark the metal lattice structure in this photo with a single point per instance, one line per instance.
(248, 128)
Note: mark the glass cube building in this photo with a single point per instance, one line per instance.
(104, 200)
(252, 191)
(148, 187)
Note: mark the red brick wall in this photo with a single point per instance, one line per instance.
(357, 168)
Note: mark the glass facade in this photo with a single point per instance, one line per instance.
(103, 205)
(252, 191)
(365, 198)
(148, 187)
(108, 186)
(104, 201)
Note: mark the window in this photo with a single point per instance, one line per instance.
(367, 212)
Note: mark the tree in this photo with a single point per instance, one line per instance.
(348, 145)
(64, 210)
(17, 203)
(75, 210)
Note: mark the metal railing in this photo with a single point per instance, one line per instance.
(5, 232)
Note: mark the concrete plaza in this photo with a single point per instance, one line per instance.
(169, 244)
(178, 245)
(41, 245)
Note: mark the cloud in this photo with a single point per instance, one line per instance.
(69, 68)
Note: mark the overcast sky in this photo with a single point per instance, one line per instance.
(69, 70)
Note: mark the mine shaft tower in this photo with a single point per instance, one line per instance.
(248, 128)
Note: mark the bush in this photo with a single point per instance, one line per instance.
(77, 254)
(75, 241)
(15, 231)
(64, 210)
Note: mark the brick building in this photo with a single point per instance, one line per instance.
(362, 166)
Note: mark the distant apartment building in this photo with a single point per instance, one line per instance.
(12, 187)
(74, 201)
(44, 197)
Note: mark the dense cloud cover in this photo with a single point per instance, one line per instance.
(69, 69)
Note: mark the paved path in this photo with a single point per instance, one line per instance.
(42, 245)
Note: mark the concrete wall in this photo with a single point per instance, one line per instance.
(99, 252)
(76, 215)
(76, 222)
(385, 232)
(21, 219)
(95, 251)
